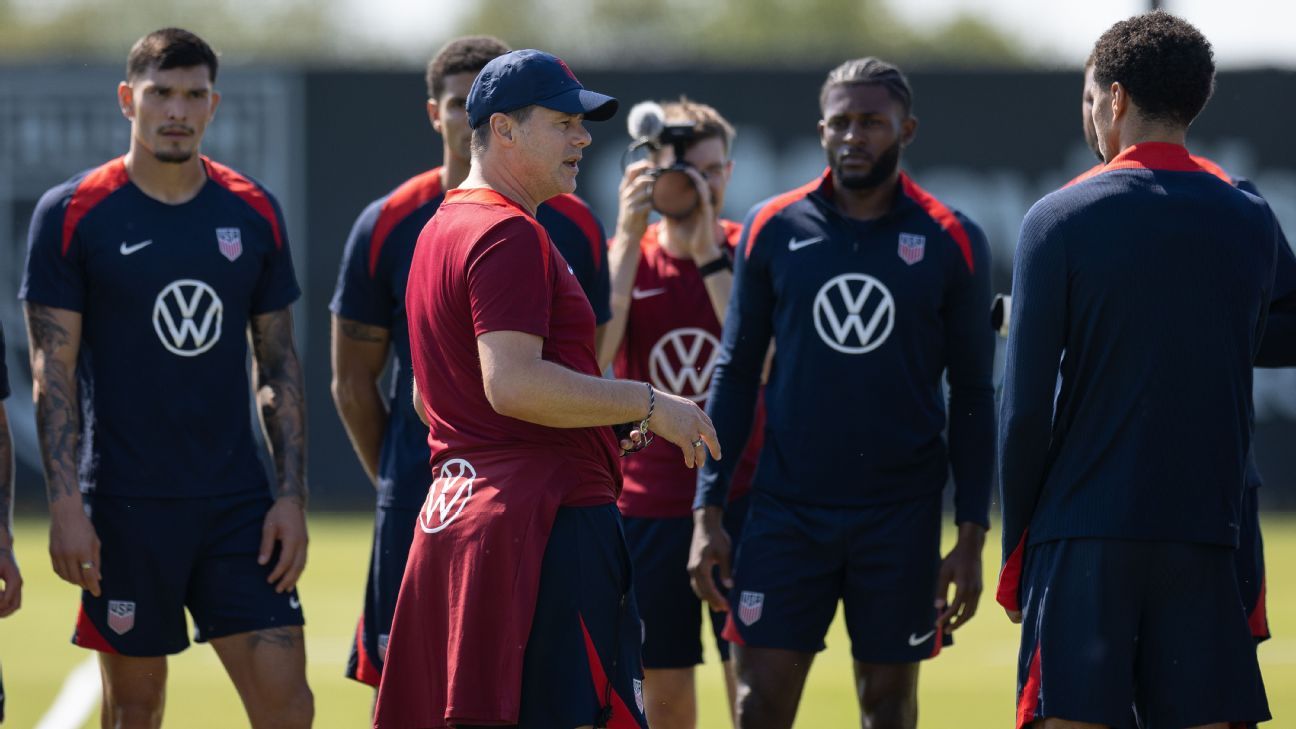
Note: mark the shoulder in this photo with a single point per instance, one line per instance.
(573, 211)
(409, 197)
(252, 193)
(63, 206)
(792, 209)
(957, 227)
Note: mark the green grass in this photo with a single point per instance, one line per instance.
(970, 685)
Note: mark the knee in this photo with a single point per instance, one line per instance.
(890, 711)
(290, 709)
(759, 707)
(140, 711)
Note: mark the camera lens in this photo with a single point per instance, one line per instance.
(674, 194)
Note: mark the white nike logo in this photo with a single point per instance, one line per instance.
(295, 604)
(796, 245)
(637, 294)
(127, 250)
(917, 640)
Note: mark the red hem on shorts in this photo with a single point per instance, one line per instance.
(1028, 701)
(621, 717)
(87, 635)
(730, 632)
(366, 672)
(1257, 620)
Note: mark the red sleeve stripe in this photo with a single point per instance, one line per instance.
(1009, 591)
(98, 184)
(575, 210)
(780, 203)
(943, 216)
(248, 192)
(1214, 169)
(412, 194)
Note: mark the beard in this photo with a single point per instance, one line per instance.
(882, 169)
(175, 157)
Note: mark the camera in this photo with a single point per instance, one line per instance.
(674, 193)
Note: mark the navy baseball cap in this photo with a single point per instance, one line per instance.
(522, 78)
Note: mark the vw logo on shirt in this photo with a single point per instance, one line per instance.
(854, 313)
(187, 317)
(682, 362)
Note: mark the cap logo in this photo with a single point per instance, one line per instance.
(567, 70)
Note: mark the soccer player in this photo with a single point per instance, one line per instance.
(1121, 502)
(1277, 349)
(516, 605)
(873, 289)
(671, 285)
(145, 279)
(10, 577)
(369, 327)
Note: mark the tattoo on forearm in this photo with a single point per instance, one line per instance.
(58, 418)
(363, 332)
(275, 637)
(280, 400)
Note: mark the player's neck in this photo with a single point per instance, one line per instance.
(173, 183)
(454, 171)
(869, 203)
(1136, 132)
(503, 182)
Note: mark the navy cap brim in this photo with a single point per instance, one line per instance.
(595, 106)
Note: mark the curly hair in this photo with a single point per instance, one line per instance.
(468, 54)
(168, 48)
(1165, 64)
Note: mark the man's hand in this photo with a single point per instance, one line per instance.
(962, 568)
(680, 421)
(634, 203)
(710, 550)
(1014, 615)
(285, 523)
(74, 546)
(702, 243)
(11, 595)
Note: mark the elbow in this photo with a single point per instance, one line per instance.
(347, 390)
(504, 394)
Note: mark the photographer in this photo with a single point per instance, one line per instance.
(670, 285)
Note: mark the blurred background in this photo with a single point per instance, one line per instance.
(323, 101)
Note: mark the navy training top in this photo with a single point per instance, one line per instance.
(166, 293)
(867, 317)
(1150, 282)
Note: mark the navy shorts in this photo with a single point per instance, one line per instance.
(671, 612)
(1251, 566)
(1157, 626)
(795, 562)
(393, 533)
(582, 663)
(160, 556)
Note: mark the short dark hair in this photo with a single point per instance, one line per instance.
(170, 48)
(1166, 65)
(468, 54)
(869, 70)
(480, 140)
(706, 121)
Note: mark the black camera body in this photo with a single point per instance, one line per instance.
(673, 193)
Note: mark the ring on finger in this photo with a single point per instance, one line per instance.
(87, 565)
(698, 443)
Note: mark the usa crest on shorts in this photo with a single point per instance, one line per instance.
(911, 247)
(230, 241)
(121, 616)
(749, 606)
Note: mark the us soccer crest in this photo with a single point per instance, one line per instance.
(911, 247)
(230, 241)
(121, 616)
(749, 606)
(638, 692)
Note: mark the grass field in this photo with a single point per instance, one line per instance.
(969, 686)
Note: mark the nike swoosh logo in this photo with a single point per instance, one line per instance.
(127, 250)
(796, 245)
(917, 640)
(294, 603)
(638, 294)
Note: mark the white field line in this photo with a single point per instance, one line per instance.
(77, 699)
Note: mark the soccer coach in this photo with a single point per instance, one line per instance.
(516, 608)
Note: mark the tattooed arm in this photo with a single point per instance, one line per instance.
(10, 578)
(280, 399)
(359, 358)
(55, 338)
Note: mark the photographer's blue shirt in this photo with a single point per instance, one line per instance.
(165, 293)
(371, 290)
(1150, 432)
(867, 316)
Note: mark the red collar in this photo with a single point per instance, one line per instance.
(1155, 156)
(481, 196)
